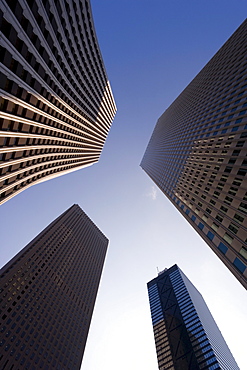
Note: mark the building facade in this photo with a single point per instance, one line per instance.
(56, 104)
(197, 153)
(186, 335)
(48, 291)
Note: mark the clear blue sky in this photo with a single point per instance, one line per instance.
(152, 49)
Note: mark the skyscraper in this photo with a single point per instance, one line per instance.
(48, 291)
(197, 153)
(56, 104)
(186, 335)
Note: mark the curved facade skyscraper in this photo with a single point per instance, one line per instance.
(197, 153)
(56, 104)
(186, 335)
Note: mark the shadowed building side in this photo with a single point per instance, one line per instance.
(56, 104)
(48, 292)
(197, 153)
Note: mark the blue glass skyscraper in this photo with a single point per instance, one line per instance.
(186, 335)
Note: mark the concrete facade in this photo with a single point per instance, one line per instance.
(197, 153)
(56, 104)
(48, 291)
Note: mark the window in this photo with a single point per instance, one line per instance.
(223, 248)
(224, 209)
(240, 143)
(244, 134)
(210, 235)
(239, 218)
(242, 171)
(228, 169)
(237, 182)
(228, 200)
(228, 238)
(243, 252)
(214, 226)
(233, 191)
(239, 264)
(242, 112)
(201, 225)
(233, 228)
(243, 207)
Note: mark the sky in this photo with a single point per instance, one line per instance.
(151, 49)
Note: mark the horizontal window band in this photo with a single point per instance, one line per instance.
(96, 127)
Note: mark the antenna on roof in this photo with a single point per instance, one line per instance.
(157, 270)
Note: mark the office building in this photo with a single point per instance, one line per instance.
(56, 104)
(186, 335)
(48, 291)
(197, 154)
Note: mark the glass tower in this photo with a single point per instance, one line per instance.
(197, 153)
(56, 104)
(186, 335)
(47, 295)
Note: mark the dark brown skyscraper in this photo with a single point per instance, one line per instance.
(56, 104)
(48, 291)
(197, 154)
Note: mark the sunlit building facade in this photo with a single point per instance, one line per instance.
(197, 154)
(56, 104)
(186, 335)
(48, 291)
